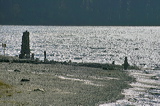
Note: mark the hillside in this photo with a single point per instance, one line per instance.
(79, 12)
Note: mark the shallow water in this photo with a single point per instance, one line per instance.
(144, 92)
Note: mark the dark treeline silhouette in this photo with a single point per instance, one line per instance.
(80, 12)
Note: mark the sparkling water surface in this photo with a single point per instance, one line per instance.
(101, 44)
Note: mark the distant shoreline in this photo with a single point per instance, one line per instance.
(105, 66)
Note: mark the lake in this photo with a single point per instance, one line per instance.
(101, 44)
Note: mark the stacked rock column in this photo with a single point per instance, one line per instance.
(25, 47)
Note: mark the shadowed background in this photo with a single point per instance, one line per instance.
(80, 12)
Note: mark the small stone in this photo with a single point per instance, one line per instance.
(132, 99)
(38, 89)
(25, 80)
(17, 70)
(146, 72)
(155, 77)
(136, 48)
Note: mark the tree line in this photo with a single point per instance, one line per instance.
(79, 12)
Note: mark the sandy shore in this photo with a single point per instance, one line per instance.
(60, 85)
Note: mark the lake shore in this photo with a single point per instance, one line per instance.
(61, 84)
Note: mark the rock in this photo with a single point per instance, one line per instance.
(136, 49)
(146, 72)
(17, 70)
(155, 77)
(132, 99)
(25, 80)
(38, 89)
(113, 63)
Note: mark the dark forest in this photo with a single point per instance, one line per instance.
(80, 12)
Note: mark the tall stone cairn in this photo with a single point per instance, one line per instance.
(25, 47)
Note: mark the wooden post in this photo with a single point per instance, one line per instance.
(45, 56)
(32, 57)
(126, 63)
(4, 48)
(113, 63)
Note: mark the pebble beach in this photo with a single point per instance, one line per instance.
(58, 84)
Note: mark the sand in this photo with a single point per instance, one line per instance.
(57, 85)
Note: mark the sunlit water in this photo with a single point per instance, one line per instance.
(101, 44)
